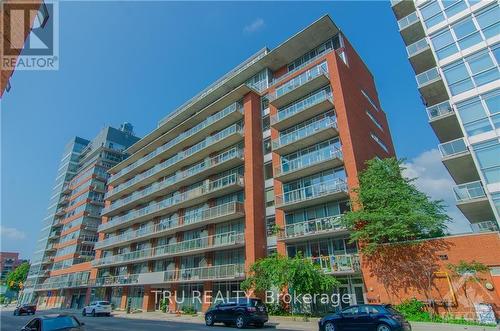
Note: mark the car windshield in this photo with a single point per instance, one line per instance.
(103, 303)
(59, 323)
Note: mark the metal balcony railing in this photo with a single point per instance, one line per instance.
(333, 264)
(315, 226)
(439, 110)
(453, 148)
(308, 130)
(427, 77)
(208, 187)
(301, 105)
(408, 20)
(218, 240)
(201, 216)
(303, 78)
(237, 106)
(179, 176)
(417, 47)
(235, 128)
(469, 191)
(307, 160)
(311, 192)
(228, 271)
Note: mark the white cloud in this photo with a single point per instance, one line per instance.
(255, 26)
(434, 179)
(11, 233)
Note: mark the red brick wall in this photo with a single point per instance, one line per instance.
(421, 270)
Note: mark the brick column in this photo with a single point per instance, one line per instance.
(148, 302)
(123, 302)
(255, 218)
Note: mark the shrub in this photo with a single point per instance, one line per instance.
(414, 310)
(164, 305)
(189, 310)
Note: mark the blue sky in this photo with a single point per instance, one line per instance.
(136, 62)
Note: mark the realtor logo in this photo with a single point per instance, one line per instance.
(31, 35)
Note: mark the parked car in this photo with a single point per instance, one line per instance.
(365, 318)
(59, 322)
(240, 312)
(25, 309)
(97, 308)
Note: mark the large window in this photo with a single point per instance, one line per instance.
(487, 154)
(473, 71)
(480, 114)
(436, 11)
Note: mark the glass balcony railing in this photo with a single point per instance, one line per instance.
(307, 160)
(439, 110)
(294, 83)
(315, 226)
(227, 271)
(337, 263)
(235, 107)
(428, 77)
(62, 284)
(469, 191)
(454, 147)
(235, 128)
(417, 47)
(485, 226)
(117, 280)
(297, 107)
(208, 187)
(308, 130)
(218, 240)
(408, 20)
(179, 176)
(311, 192)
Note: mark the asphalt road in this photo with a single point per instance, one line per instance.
(9, 322)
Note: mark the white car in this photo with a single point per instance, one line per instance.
(97, 308)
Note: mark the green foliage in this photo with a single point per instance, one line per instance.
(17, 277)
(189, 310)
(391, 209)
(164, 304)
(281, 272)
(467, 268)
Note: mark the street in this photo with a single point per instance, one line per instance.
(157, 321)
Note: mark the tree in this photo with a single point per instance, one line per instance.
(17, 277)
(283, 273)
(389, 208)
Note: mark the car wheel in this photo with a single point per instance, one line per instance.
(93, 312)
(209, 319)
(329, 326)
(383, 327)
(83, 312)
(240, 322)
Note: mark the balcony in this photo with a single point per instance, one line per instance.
(219, 272)
(217, 164)
(338, 264)
(62, 285)
(210, 189)
(485, 226)
(308, 164)
(316, 103)
(54, 235)
(432, 87)
(444, 122)
(217, 214)
(187, 247)
(308, 135)
(420, 56)
(472, 201)
(411, 28)
(299, 86)
(402, 8)
(316, 228)
(221, 140)
(214, 122)
(458, 160)
(312, 195)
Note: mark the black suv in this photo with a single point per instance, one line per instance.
(241, 312)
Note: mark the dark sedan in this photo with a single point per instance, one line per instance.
(59, 322)
(365, 318)
(239, 311)
(25, 309)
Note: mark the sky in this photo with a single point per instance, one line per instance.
(138, 61)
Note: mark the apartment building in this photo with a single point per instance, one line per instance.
(60, 267)
(8, 262)
(453, 46)
(261, 161)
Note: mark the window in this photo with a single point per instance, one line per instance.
(489, 20)
(266, 123)
(487, 154)
(270, 197)
(379, 141)
(374, 120)
(369, 100)
(480, 114)
(267, 146)
(432, 14)
(270, 225)
(268, 171)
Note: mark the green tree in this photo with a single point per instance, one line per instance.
(17, 277)
(391, 209)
